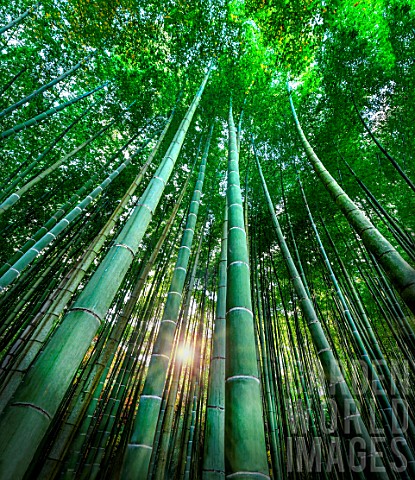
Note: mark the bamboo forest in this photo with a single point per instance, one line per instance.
(207, 256)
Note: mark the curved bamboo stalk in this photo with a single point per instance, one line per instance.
(400, 273)
(390, 422)
(401, 236)
(381, 362)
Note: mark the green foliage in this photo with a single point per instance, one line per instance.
(155, 54)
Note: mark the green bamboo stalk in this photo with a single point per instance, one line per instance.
(129, 372)
(268, 400)
(165, 433)
(401, 236)
(35, 403)
(164, 424)
(125, 377)
(383, 149)
(246, 204)
(199, 353)
(214, 445)
(16, 196)
(175, 449)
(187, 420)
(18, 319)
(40, 157)
(12, 80)
(239, 129)
(350, 415)
(21, 17)
(40, 90)
(15, 270)
(138, 454)
(365, 320)
(47, 113)
(153, 316)
(400, 273)
(159, 438)
(189, 445)
(245, 450)
(176, 446)
(106, 356)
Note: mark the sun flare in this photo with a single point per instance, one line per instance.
(185, 354)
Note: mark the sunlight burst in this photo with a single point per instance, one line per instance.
(184, 354)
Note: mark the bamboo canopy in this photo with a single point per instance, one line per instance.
(207, 265)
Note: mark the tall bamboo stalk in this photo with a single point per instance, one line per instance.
(400, 273)
(214, 444)
(17, 20)
(138, 453)
(47, 113)
(42, 89)
(245, 450)
(166, 431)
